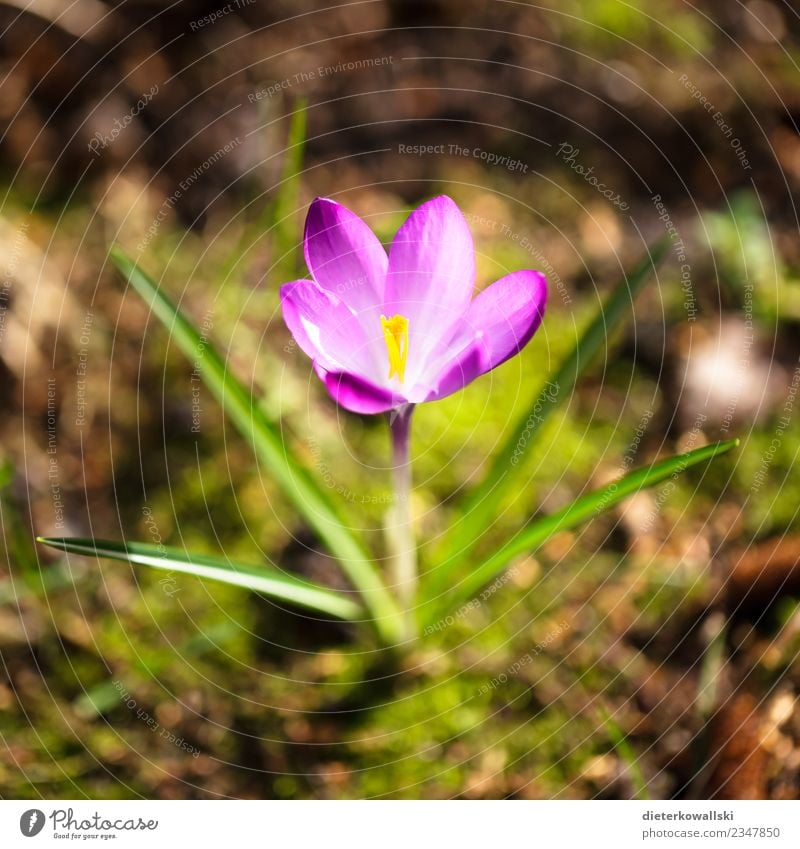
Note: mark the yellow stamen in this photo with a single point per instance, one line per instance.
(395, 334)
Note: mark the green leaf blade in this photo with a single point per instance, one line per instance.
(266, 580)
(581, 510)
(482, 504)
(287, 199)
(300, 488)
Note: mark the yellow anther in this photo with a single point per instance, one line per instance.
(395, 334)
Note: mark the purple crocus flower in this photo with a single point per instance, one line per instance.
(388, 331)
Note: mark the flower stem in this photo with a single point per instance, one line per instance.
(401, 534)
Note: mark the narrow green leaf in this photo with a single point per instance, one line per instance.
(287, 200)
(299, 487)
(264, 579)
(279, 214)
(481, 507)
(582, 509)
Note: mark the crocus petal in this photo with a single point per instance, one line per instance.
(472, 362)
(431, 275)
(358, 395)
(508, 313)
(420, 296)
(344, 255)
(325, 329)
(500, 321)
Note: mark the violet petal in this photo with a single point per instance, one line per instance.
(344, 255)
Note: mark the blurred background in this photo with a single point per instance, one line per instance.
(661, 640)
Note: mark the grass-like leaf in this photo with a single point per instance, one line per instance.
(261, 579)
(582, 509)
(481, 506)
(277, 218)
(310, 500)
(287, 198)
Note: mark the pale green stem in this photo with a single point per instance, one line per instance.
(403, 548)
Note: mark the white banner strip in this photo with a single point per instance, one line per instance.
(400, 825)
